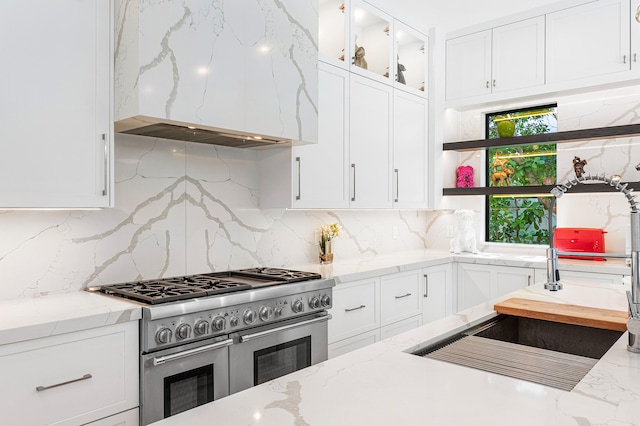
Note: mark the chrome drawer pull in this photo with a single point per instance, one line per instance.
(426, 285)
(355, 309)
(43, 388)
(162, 359)
(403, 296)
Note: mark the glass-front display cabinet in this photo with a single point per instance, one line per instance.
(372, 42)
(411, 59)
(333, 33)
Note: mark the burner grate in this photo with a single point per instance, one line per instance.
(154, 292)
(287, 275)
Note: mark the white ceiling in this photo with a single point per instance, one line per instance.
(455, 14)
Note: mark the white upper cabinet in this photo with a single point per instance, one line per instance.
(518, 55)
(322, 179)
(409, 150)
(370, 136)
(411, 52)
(55, 114)
(371, 47)
(244, 66)
(588, 40)
(333, 32)
(468, 65)
(501, 59)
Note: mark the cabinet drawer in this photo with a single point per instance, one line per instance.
(399, 296)
(400, 327)
(71, 378)
(353, 343)
(354, 309)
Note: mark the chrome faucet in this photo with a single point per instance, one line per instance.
(553, 275)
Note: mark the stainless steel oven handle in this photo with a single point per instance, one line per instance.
(219, 345)
(247, 337)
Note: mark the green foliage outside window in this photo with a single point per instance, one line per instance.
(521, 219)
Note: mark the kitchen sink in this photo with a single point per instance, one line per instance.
(545, 352)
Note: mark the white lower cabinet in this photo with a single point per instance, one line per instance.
(366, 311)
(437, 294)
(481, 283)
(72, 378)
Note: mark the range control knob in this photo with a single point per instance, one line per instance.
(249, 316)
(277, 312)
(266, 313)
(218, 323)
(325, 301)
(163, 335)
(200, 327)
(297, 306)
(182, 331)
(314, 302)
(233, 322)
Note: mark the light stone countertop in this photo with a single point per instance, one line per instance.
(383, 384)
(37, 317)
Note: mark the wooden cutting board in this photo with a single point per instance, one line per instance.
(568, 314)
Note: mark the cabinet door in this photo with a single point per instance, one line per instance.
(352, 343)
(468, 65)
(474, 285)
(510, 279)
(55, 113)
(369, 143)
(320, 171)
(409, 150)
(437, 293)
(399, 296)
(518, 55)
(354, 309)
(400, 327)
(588, 40)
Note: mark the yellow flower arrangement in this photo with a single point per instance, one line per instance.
(327, 234)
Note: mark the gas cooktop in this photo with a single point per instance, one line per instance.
(168, 290)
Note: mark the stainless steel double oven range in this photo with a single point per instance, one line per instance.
(203, 337)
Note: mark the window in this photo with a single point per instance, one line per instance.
(522, 218)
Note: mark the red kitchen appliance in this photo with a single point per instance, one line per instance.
(589, 240)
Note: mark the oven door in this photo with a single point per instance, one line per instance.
(181, 378)
(265, 353)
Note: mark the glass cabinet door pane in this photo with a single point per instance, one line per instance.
(372, 41)
(332, 32)
(411, 59)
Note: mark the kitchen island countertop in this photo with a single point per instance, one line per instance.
(384, 384)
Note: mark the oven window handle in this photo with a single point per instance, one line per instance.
(252, 336)
(162, 359)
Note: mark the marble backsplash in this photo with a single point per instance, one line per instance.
(184, 208)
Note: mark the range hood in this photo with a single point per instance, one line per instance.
(152, 127)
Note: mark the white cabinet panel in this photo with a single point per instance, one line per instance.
(128, 418)
(322, 179)
(518, 55)
(55, 113)
(592, 277)
(399, 296)
(400, 327)
(354, 309)
(71, 378)
(468, 65)
(370, 143)
(409, 150)
(437, 295)
(352, 343)
(588, 40)
(481, 283)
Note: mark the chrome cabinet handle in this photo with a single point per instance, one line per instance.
(43, 388)
(247, 337)
(426, 286)
(494, 83)
(624, 59)
(403, 296)
(528, 280)
(634, 58)
(299, 167)
(487, 85)
(397, 185)
(162, 359)
(353, 167)
(355, 309)
(106, 164)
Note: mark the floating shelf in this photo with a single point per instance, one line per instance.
(582, 188)
(628, 130)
